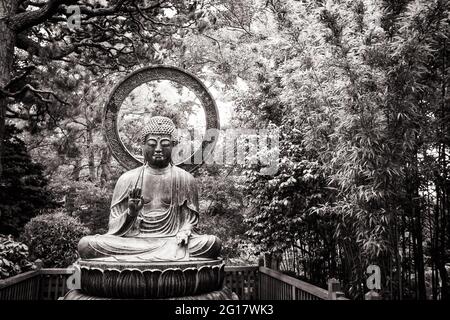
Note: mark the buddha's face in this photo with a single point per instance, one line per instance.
(157, 150)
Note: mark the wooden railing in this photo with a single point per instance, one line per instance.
(25, 286)
(243, 281)
(278, 286)
(41, 284)
(248, 282)
(54, 283)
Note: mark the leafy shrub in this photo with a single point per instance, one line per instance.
(53, 238)
(92, 206)
(229, 229)
(13, 257)
(85, 200)
(222, 211)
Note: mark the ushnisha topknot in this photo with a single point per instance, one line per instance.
(158, 125)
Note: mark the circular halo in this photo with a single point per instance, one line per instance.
(147, 74)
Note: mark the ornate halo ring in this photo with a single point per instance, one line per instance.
(153, 73)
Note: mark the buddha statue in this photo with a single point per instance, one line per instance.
(152, 249)
(154, 209)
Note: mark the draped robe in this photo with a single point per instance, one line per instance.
(151, 236)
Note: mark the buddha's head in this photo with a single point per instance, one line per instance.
(157, 141)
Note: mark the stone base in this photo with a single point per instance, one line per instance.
(150, 280)
(223, 294)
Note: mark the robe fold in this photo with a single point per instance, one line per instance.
(152, 234)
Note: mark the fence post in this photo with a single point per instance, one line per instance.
(37, 290)
(372, 295)
(276, 261)
(261, 261)
(272, 261)
(334, 289)
(39, 264)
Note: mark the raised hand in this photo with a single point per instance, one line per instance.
(183, 237)
(135, 201)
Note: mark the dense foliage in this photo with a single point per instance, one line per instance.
(23, 188)
(222, 213)
(357, 89)
(53, 238)
(14, 257)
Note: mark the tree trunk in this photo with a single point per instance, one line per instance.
(7, 40)
(76, 169)
(418, 257)
(415, 213)
(105, 166)
(91, 156)
(70, 196)
(445, 228)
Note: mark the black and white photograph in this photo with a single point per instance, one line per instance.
(224, 156)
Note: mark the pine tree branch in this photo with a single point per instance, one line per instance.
(25, 73)
(37, 92)
(141, 12)
(27, 19)
(34, 48)
(34, 4)
(24, 20)
(59, 52)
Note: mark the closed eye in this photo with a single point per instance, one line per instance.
(165, 144)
